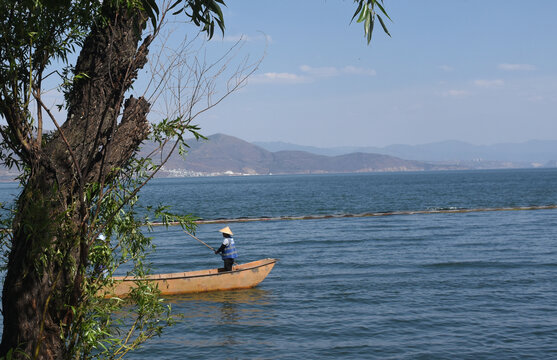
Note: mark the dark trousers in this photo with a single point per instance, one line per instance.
(228, 264)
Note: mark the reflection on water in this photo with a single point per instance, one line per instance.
(230, 308)
(222, 320)
(229, 313)
(254, 295)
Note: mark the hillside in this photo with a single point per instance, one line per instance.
(223, 154)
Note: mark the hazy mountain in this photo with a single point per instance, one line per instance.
(223, 154)
(531, 151)
(276, 146)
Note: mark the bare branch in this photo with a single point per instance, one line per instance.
(182, 78)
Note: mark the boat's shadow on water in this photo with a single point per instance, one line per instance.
(244, 296)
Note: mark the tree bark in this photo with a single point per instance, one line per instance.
(49, 246)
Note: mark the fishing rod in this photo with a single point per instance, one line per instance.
(204, 243)
(201, 241)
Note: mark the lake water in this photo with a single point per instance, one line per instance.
(476, 285)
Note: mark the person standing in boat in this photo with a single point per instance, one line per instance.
(227, 249)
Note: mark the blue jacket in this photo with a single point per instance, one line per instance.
(229, 251)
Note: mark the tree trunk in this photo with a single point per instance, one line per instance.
(49, 247)
(35, 285)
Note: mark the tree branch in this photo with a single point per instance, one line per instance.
(61, 133)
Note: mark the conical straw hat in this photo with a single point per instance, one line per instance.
(226, 230)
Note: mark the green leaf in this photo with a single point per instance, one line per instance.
(383, 10)
(357, 10)
(383, 25)
(368, 25)
(363, 14)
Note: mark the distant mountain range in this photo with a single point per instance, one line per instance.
(223, 154)
(227, 155)
(534, 151)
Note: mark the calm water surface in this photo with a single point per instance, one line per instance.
(430, 286)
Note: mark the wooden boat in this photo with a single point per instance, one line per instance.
(242, 276)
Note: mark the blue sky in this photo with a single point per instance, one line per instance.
(480, 71)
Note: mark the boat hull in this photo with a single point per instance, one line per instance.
(242, 276)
